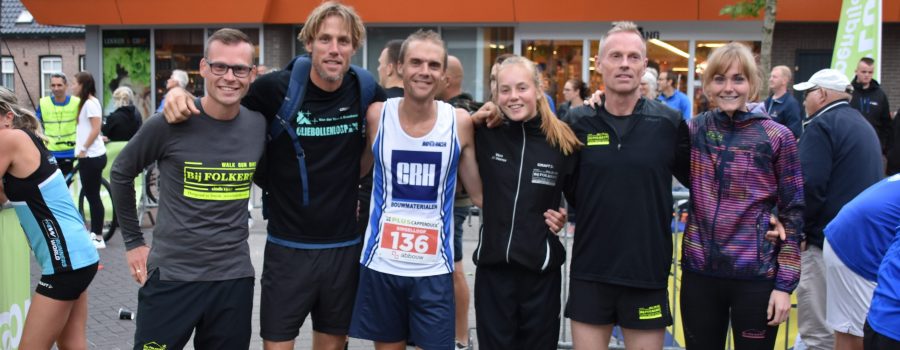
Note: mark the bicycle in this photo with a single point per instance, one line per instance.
(109, 227)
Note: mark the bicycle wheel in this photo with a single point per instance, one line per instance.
(151, 183)
(110, 224)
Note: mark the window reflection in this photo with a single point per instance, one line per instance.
(559, 61)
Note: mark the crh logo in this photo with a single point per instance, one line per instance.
(416, 175)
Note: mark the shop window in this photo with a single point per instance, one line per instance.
(49, 66)
(558, 60)
(126, 62)
(497, 41)
(7, 73)
(178, 49)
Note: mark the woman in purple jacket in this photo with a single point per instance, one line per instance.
(744, 167)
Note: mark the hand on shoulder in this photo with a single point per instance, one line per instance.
(179, 106)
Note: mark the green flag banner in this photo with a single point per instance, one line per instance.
(15, 280)
(858, 36)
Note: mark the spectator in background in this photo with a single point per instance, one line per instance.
(870, 100)
(90, 150)
(548, 86)
(893, 154)
(58, 114)
(125, 121)
(649, 86)
(840, 158)
(781, 105)
(671, 96)
(575, 92)
(179, 78)
(388, 77)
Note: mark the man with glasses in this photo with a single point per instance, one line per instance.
(311, 262)
(59, 115)
(840, 156)
(198, 278)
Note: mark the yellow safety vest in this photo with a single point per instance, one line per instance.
(59, 123)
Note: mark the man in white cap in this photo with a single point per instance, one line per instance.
(840, 156)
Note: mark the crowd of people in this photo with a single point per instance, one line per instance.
(366, 182)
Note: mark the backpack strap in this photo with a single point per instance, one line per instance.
(367, 86)
(292, 101)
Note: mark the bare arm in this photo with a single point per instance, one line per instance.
(468, 165)
(179, 106)
(373, 117)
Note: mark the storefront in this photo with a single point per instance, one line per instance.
(141, 46)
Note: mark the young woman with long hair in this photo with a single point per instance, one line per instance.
(525, 165)
(89, 150)
(744, 166)
(35, 187)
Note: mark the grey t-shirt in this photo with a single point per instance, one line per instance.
(205, 172)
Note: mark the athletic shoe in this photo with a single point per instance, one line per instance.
(461, 346)
(98, 241)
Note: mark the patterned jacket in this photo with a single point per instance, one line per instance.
(743, 169)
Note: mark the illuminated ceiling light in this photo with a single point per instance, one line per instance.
(502, 47)
(591, 68)
(680, 69)
(711, 45)
(669, 47)
(592, 59)
(493, 46)
(554, 52)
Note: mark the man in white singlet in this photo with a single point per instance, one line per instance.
(417, 145)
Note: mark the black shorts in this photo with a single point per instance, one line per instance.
(67, 285)
(169, 312)
(459, 217)
(873, 340)
(299, 282)
(600, 303)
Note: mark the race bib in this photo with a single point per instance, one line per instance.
(410, 240)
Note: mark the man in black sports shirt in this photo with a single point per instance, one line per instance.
(623, 245)
(311, 259)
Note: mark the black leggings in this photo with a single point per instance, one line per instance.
(709, 303)
(91, 170)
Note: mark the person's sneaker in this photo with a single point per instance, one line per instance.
(99, 243)
(461, 346)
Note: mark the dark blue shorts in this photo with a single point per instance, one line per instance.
(393, 308)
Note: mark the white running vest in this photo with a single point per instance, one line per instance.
(410, 229)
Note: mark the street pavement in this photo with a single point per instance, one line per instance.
(113, 288)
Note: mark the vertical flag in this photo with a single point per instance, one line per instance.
(858, 36)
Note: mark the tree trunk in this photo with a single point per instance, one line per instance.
(765, 55)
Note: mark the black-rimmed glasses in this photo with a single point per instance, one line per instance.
(219, 68)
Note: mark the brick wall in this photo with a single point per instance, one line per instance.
(278, 45)
(790, 37)
(27, 54)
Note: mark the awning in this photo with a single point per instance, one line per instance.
(169, 12)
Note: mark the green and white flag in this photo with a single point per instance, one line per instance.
(15, 280)
(858, 36)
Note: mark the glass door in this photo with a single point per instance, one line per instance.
(558, 60)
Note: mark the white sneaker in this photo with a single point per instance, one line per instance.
(99, 243)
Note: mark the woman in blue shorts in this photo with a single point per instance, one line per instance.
(34, 186)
